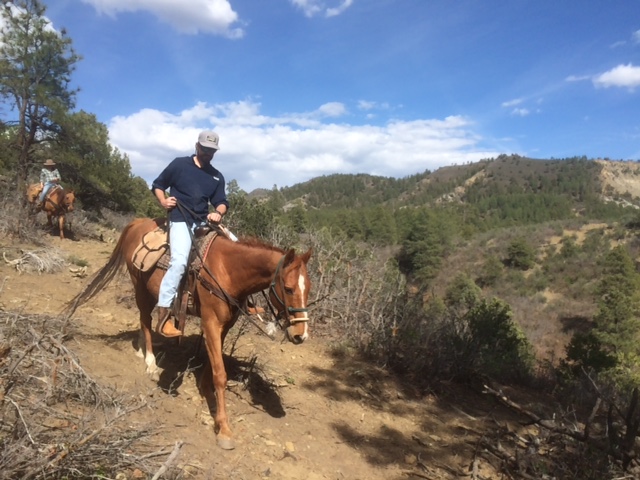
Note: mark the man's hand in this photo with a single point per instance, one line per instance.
(214, 217)
(168, 203)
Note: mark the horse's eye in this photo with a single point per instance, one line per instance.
(288, 290)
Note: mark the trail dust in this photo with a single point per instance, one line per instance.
(297, 412)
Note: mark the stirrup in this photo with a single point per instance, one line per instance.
(162, 322)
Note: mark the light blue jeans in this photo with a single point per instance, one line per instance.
(180, 245)
(45, 189)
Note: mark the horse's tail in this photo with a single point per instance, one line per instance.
(102, 278)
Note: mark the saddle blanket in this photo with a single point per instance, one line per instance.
(154, 250)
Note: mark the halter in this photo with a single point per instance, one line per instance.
(285, 308)
(58, 206)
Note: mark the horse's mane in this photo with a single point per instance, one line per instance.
(255, 242)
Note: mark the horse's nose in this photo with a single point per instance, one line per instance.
(296, 334)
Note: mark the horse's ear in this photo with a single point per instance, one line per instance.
(307, 255)
(289, 256)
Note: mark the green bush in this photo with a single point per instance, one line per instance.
(520, 254)
(496, 346)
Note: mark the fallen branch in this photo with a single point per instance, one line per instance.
(165, 466)
(607, 445)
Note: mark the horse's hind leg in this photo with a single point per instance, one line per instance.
(145, 303)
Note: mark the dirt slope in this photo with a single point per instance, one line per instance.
(301, 413)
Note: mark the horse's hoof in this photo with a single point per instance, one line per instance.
(226, 443)
(154, 374)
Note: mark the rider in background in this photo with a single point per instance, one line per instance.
(193, 185)
(49, 176)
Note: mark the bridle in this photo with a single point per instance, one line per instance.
(64, 207)
(286, 309)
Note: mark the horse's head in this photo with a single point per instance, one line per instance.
(289, 293)
(33, 191)
(69, 199)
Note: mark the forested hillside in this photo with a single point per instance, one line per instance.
(493, 193)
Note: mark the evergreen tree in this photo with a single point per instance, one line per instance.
(491, 271)
(297, 219)
(520, 254)
(100, 174)
(496, 344)
(247, 216)
(618, 317)
(276, 200)
(36, 63)
(611, 347)
(426, 244)
(462, 294)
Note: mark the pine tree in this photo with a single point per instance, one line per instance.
(618, 317)
(36, 63)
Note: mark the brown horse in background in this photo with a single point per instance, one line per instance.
(231, 272)
(57, 203)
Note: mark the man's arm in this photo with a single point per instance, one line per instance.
(168, 203)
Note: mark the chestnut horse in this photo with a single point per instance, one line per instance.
(57, 203)
(231, 272)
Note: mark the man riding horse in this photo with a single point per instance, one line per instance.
(193, 185)
(50, 197)
(49, 177)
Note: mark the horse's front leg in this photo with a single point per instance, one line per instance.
(50, 219)
(213, 340)
(61, 226)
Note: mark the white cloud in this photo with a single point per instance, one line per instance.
(259, 151)
(520, 111)
(15, 11)
(190, 17)
(332, 12)
(577, 78)
(332, 109)
(512, 103)
(366, 105)
(635, 36)
(621, 76)
(312, 8)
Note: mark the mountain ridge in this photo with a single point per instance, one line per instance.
(612, 180)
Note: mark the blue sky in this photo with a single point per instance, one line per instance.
(303, 88)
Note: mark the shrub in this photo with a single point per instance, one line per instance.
(520, 255)
(496, 346)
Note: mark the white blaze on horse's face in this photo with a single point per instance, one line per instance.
(302, 287)
(298, 329)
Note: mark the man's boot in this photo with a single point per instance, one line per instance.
(166, 326)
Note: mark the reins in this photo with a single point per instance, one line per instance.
(220, 292)
(214, 289)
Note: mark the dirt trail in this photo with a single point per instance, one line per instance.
(300, 414)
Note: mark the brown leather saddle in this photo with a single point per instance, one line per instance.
(154, 252)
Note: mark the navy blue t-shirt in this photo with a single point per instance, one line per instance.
(194, 188)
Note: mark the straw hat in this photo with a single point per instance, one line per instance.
(49, 163)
